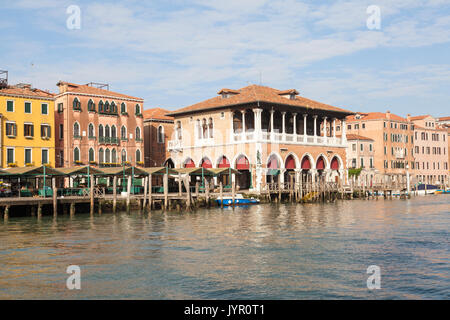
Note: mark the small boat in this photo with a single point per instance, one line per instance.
(238, 200)
(442, 191)
(430, 189)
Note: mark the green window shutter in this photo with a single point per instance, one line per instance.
(44, 108)
(27, 107)
(10, 106)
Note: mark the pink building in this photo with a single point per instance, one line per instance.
(98, 127)
(430, 150)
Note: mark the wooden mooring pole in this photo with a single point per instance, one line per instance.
(114, 194)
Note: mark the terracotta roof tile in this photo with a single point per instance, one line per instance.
(28, 92)
(351, 136)
(420, 117)
(157, 114)
(444, 119)
(82, 88)
(256, 93)
(375, 116)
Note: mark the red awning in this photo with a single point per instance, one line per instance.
(189, 164)
(306, 164)
(320, 164)
(335, 164)
(290, 163)
(242, 164)
(224, 163)
(206, 164)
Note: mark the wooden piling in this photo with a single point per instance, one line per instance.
(55, 198)
(221, 194)
(6, 214)
(114, 194)
(72, 209)
(166, 191)
(188, 192)
(233, 192)
(150, 201)
(92, 194)
(180, 187)
(39, 211)
(207, 192)
(145, 192)
(128, 193)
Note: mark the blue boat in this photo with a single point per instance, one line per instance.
(238, 200)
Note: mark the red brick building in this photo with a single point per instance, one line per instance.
(158, 130)
(97, 126)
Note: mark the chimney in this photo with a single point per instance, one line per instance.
(408, 117)
(388, 115)
(62, 86)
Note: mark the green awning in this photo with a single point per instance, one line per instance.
(273, 172)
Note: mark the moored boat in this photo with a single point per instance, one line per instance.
(238, 200)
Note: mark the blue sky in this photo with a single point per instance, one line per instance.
(176, 53)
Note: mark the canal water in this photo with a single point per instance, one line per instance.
(313, 251)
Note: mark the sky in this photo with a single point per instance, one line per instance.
(177, 53)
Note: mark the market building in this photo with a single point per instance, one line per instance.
(97, 126)
(268, 135)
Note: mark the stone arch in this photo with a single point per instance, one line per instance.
(205, 162)
(296, 160)
(223, 162)
(339, 160)
(278, 158)
(238, 156)
(326, 164)
(169, 163)
(307, 157)
(188, 163)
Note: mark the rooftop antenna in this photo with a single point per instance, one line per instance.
(3, 79)
(98, 85)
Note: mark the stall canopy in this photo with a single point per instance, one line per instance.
(32, 171)
(220, 171)
(117, 171)
(159, 170)
(195, 171)
(84, 170)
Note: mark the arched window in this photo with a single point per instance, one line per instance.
(204, 129)
(138, 133)
(76, 104)
(100, 130)
(91, 105)
(124, 156)
(106, 131)
(123, 133)
(107, 156)
(138, 109)
(76, 154)
(160, 135)
(76, 129)
(100, 156)
(113, 156)
(106, 108)
(100, 106)
(179, 134)
(113, 107)
(138, 155)
(91, 131)
(199, 129)
(211, 128)
(91, 155)
(113, 131)
(123, 108)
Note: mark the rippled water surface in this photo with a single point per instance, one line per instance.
(314, 251)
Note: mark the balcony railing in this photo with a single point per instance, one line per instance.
(108, 140)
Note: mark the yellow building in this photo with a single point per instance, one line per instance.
(27, 122)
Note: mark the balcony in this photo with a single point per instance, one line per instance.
(399, 154)
(267, 137)
(108, 140)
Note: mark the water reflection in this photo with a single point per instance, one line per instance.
(269, 251)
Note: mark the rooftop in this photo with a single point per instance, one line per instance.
(376, 116)
(254, 94)
(157, 114)
(26, 91)
(351, 136)
(91, 90)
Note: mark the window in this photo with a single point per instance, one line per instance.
(113, 107)
(27, 107)
(353, 163)
(160, 135)
(123, 133)
(371, 162)
(11, 129)
(354, 146)
(138, 133)
(113, 131)
(100, 131)
(211, 128)
(28, 155)
(44, 156)
(10, 155)
(107, 131)
(124, 156)
(362, 147)
(44, 108)
(91, 132)
(91, 155)
(45, 131)
(100, 106)
(222, 115)
(76, 130)
(179, 130)
(76, 154)
(61, 158)
(107, 156)
(113, 156)
(123, 108)
(76, 104)
(370, 147)
(61, 131)
(138, 109)
(91, 105)
(138, 155)
(363, 125)
(106, 108)
(100, 156)
(60, 107)
(28, 130)
(10, 106)
(362, 162)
